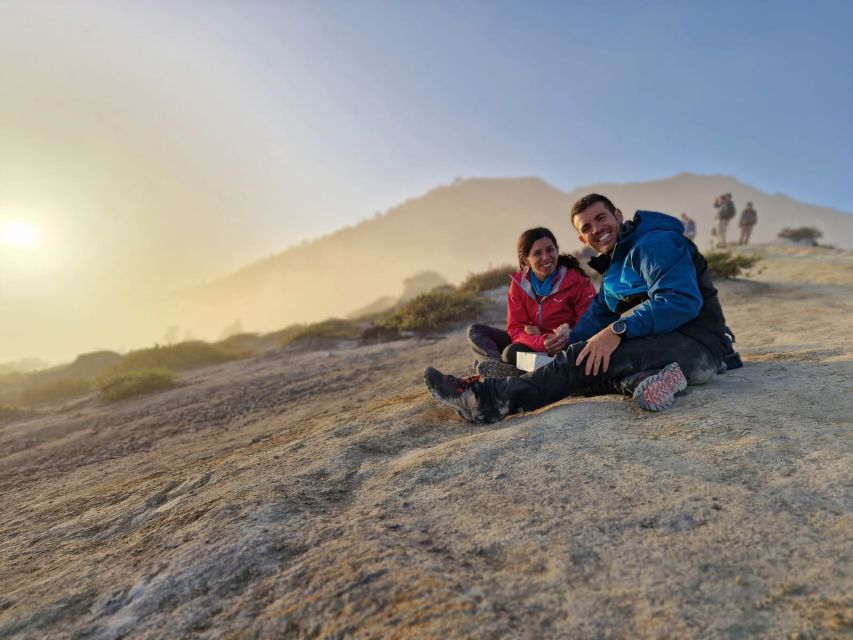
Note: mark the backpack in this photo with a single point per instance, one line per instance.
(728, 212)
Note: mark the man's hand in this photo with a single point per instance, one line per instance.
(599, 349)
(555, 342)
(532, 330)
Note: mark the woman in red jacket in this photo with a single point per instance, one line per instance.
(550, 290)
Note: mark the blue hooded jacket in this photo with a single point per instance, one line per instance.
(652, 270)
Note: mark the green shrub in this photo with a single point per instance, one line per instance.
(236, 339)
(724, 264)
(331, 329)
(284, 336)
(176, 357)
(433, 311)
(491, 279)
(56, 391)
(118, 386)
(242, 344)
(808, 235)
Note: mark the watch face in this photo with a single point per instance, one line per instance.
(619, 327)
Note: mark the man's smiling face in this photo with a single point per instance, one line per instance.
(598, 227)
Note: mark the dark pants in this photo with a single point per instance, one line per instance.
(491, 342)
(499, 397)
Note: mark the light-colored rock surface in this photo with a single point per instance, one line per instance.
(326, 495)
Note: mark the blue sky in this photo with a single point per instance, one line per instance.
(402, 95)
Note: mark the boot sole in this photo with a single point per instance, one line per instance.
(657, 392)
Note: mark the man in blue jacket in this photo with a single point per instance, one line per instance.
(676, 334)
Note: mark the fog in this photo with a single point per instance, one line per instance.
(117, 151)
(151, 152)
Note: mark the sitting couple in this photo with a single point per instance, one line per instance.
(676, 334)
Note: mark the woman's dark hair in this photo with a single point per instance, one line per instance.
(527, 239)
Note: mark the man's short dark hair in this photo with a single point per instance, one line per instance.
(587, 201)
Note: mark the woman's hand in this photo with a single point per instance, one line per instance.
(532, 330)
(555, 342)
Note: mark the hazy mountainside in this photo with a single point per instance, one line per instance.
(85, 367)
(456, 230)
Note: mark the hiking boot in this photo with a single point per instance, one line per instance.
(492, 368)
(657, 391)
(456, 393)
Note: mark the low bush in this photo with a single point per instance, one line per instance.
(118, 386)
(56, 391)
(284, 336)
(808, 235)
(724, 264)
(331, 329)
(491, 279)
(243, 344)
(236, 339)
(433, 311)
(176, 357)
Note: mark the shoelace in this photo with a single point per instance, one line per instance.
(464, 383)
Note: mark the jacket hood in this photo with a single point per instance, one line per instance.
(646, 221)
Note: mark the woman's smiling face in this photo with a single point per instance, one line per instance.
(542, 258)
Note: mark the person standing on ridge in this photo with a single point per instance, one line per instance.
(725, 211)
(748, 219)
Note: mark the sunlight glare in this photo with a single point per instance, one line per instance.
(18, 233)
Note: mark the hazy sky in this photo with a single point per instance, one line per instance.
(150, 146)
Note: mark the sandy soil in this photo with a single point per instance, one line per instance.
(326, 495)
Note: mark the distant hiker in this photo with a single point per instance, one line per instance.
(725, 211)
(676, 334)
(548, 291)
(748, 219)
(689, 226)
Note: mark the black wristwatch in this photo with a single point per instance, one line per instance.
(620, 328)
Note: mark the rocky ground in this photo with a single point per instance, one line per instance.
(324, 494)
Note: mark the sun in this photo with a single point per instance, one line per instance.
(18, 233)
